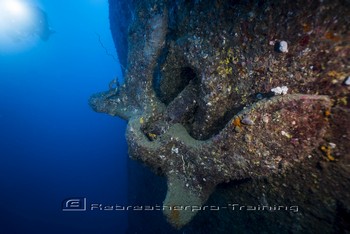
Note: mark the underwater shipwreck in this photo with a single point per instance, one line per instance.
(244, 103)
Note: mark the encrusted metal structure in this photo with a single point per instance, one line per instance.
(230, 90)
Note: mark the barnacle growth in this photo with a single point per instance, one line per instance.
(191, 105)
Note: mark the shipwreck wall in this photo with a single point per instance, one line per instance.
(144, 187)
(121, 13)
(203, 112)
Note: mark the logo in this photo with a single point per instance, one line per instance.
(74, 204)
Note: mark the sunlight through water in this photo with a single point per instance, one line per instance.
(18, 25)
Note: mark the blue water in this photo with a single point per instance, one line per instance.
(52, 145)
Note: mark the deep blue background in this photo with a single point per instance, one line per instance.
(52, 145)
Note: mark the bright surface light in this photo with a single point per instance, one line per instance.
(14, 14)
(15, 8)
(16, 24)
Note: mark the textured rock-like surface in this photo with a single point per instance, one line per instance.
(198, 102)
(284, 131)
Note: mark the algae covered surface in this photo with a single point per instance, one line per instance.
(238, 102)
